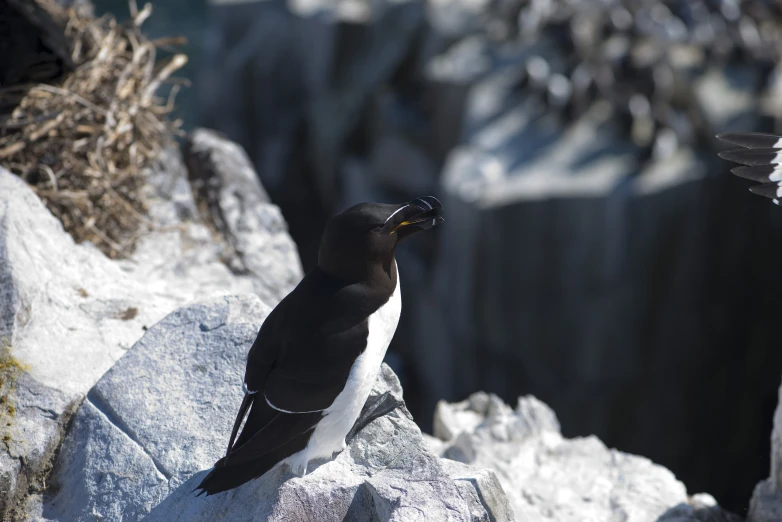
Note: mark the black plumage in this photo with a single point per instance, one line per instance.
(751, 140)
(768, 190)
(759, 173)
(751, 156)
(305, 350)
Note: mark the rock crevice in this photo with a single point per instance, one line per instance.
(111, 416)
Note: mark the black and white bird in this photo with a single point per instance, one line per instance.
(761, 158)
(317, 355)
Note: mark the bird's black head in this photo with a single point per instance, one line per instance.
(367, 234)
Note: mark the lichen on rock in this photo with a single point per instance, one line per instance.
(10, 370)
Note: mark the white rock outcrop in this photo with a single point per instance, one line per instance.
(549, 477)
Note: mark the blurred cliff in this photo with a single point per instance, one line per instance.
(597, 253)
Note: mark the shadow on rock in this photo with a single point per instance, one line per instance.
(254, 502)
(702, 508)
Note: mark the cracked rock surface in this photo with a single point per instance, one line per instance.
(153, 425)
(549, 477)
(150, 421)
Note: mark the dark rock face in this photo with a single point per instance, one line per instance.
(625, 310)
(595, 254)
(307, 77)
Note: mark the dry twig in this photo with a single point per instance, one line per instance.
(84, 141)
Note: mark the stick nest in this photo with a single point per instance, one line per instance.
(83, 141)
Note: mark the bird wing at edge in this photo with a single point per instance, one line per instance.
(761, 158)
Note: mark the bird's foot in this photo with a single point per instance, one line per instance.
(299, 469)
(375, 408)
(341, 448)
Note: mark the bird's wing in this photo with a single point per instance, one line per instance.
(296, 391)
(309, 379)
(268, 345)
(299, 363)
(277, 432)
(317, 332)
(243, 409)
(761, 158)
(260, 360)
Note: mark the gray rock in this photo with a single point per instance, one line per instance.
(482, 488)
(154, 412)
(549, 477)
(766, 503)
(734, 89)
(235, 203)
(165, 411)
(67, 313)
(185, 252)
(700, 507)
(32, 421)
(178, 254)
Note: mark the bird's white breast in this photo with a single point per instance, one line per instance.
(330, 432)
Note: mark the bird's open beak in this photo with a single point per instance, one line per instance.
(421, 213)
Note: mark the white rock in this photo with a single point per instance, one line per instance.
(548, 477)
(766, 503)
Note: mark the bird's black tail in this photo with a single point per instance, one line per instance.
(246, 403)
(223, 478)
(228, 474)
